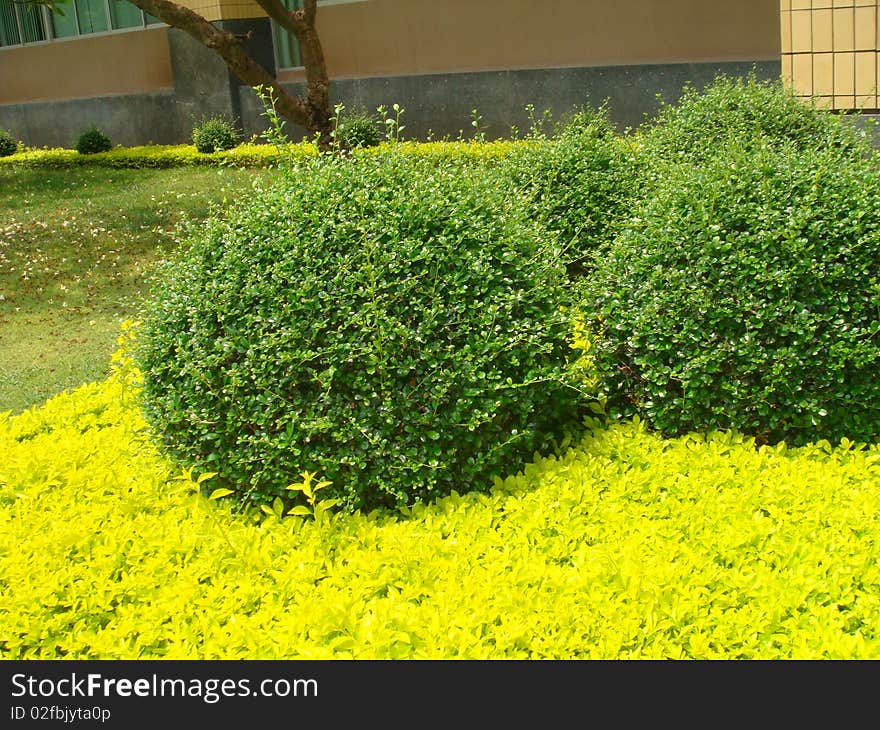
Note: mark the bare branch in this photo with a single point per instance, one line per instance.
(228, 46)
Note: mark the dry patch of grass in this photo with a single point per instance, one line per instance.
(76, 250)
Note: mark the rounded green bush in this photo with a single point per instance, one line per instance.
(749, 112)
(8, 145)
(358, 129)
(215, 135)
(387, 323)
(578, 184)
(745, 293)
(93, 141)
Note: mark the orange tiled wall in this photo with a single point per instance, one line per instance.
(830, 51)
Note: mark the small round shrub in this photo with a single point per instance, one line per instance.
(8, 145)
(745, 294)
(388, 324)
(93, 141)
(578, 184)
(215, 134)
(747, 111)
(357, 129)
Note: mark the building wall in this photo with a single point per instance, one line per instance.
(440, 60)
(394, 37)
(125, 62)
(830, 51)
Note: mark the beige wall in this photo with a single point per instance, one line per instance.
(830, 51)
(400, 37)
(390, 37)
(128, 62)
(225, 9)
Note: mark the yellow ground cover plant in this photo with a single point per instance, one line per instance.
(243, 155)
(627, 546)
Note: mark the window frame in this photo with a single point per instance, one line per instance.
(277, 29)
(48, 29)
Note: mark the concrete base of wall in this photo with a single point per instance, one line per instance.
(127, 120)
(436, 105)
(442, 105)
(870, 123)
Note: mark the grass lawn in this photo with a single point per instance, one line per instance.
(76, 247)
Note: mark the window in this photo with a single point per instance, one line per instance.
(91, 15)
(21, 23)
(9, 35)
(63, 26)
(30, 21)
(125, 15)
(287, 53)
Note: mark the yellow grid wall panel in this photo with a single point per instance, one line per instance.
(786, 69)
(831, 53)
(802, 73)
(801, 23)
(845, 74)
(866, 74)
(844, 29)
(823, 32)
(823, 74)
(866, 28)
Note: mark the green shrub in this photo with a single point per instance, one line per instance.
(215, 134)
(745, 293)
(578, 183)
(748, 111)
(92, 141)
(8, 145)
(391, 325)
(357, 129)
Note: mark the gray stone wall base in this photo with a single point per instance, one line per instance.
(441, 105)
(127, 120)
(437, 105)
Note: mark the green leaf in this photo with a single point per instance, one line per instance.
(220, 493)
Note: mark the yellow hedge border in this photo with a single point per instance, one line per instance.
(244, 155)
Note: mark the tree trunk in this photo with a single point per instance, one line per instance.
(312, 111)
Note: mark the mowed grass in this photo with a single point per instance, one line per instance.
(76, 250)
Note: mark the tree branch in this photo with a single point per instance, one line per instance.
(287, 19)
(302, 24)
(311, 111)
(228, 45)
(310, 10)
